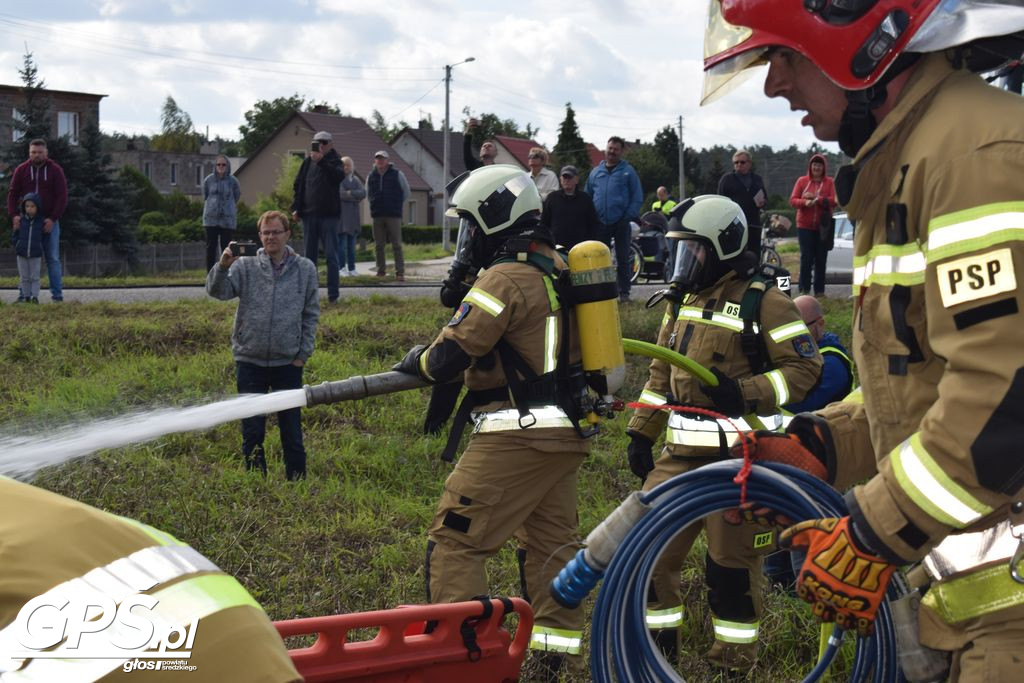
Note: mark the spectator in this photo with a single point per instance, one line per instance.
(387, 189)
(837, 375)
(615, 189)
(746, 188)
(543, 177)
(278, 312)
(221, 193)
(663, 203)
(318, 205)
(569, 212)
(45, 178)
(28, 245)
(352, 194)
(488, 150)
(814, 196)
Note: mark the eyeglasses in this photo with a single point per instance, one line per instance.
(740, 162)
(535, 156)
(272, 233)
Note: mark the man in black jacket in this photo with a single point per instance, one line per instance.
(318, 205)
(569, 213)
(746, 188)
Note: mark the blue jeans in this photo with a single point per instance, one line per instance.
(812, 256)
(257, 379)
(623, 236)
(347, 250)
(51, 254)
(323, 229)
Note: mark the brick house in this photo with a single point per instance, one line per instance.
(71, 111)
(172, 171)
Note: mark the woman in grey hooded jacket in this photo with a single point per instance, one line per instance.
(352, 194)
(221, 192)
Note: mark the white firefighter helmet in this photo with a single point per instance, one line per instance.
(495, 197)
(710, 230)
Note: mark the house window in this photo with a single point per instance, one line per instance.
(16, 118)
(67, 124)
(412, 212)
(174, 174)
(147, 170)
(199, 175)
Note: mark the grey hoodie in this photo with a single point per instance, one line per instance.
(220, 195)
(277, 316)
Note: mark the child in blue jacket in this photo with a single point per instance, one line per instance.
(28, 245)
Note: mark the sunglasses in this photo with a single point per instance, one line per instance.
(221, 165)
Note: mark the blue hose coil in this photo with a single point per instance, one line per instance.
(621, 648)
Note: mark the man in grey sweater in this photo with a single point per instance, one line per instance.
(278, 312)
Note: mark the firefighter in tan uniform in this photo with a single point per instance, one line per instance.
(725, 313)
(54, 547)
(935, 190)
(517, 475)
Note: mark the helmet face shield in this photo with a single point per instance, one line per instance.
(467, 229)
(691, 260)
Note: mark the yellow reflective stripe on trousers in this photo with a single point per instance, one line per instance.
(664, 618)
(485, 301)
(931, 489)
(788, 331)
(555, 639)
(550, 343)
(652, 398)
(734, 631)
(967, 597)
(178, 605)
(778, 381)
(974, 229)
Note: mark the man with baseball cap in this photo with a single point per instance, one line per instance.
(318, 204)
(569, 212)
(387, 190)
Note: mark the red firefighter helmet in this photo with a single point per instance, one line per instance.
(852, 41)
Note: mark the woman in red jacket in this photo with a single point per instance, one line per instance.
(814, 196)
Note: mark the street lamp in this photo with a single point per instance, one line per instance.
(445, 237)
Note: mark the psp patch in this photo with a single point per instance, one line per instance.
(460, 314)
(804, 346)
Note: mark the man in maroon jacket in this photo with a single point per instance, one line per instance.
(46, 178)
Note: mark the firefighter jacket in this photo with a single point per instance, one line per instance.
(938, 338)
(514, 303)
(57, 549)
(708, 330)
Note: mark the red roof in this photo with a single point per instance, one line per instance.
(518, 147)
(596, 155)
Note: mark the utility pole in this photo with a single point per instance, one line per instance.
(445, 228)
(682, 168)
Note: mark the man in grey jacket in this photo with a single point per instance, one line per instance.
(278, 312)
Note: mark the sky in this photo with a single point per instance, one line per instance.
(629, 67)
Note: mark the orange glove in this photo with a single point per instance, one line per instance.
(788, 449)
(843, 582)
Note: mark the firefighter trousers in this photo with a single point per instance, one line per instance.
(510, 485)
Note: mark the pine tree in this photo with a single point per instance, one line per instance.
(570, 148)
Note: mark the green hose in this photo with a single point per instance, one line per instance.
(700, 372)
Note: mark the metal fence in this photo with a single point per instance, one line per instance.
(96, 260)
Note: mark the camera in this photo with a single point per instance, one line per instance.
(315, 146)
(243, 249)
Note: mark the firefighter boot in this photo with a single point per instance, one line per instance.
(736, 658)
(544, 667)
(667, 642)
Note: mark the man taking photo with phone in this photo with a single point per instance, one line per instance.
(318, 204)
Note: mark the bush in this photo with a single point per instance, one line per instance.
(154, 218)
(160, 234)
(190, 230)
(179, 207)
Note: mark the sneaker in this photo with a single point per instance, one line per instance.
(399, 278)
(352, 273)
(342, 273)
(34, 300)
(22, 300)
(624, 298)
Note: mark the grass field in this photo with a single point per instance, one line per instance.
(350, 537)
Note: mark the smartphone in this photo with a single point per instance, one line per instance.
(243, 249)
(316, 146)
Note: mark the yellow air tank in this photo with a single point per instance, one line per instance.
(595, 294)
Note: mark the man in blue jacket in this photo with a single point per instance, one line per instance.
(615, 188)
(837, 374)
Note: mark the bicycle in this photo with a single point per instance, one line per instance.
(773, 227)
(649, 254)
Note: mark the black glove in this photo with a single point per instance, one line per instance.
(443, 398)
(727, 395)
(453, 292)
(641, 457)
(815, 436)
(410, 365)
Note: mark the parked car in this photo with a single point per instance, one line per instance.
(839, 267)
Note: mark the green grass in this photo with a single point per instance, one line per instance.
(349, 538)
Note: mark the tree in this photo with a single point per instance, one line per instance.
(177, 132)
(146, 197)
(386, 131)
(491, 125)
(264, 118)
(570, 147)
(650, 168)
